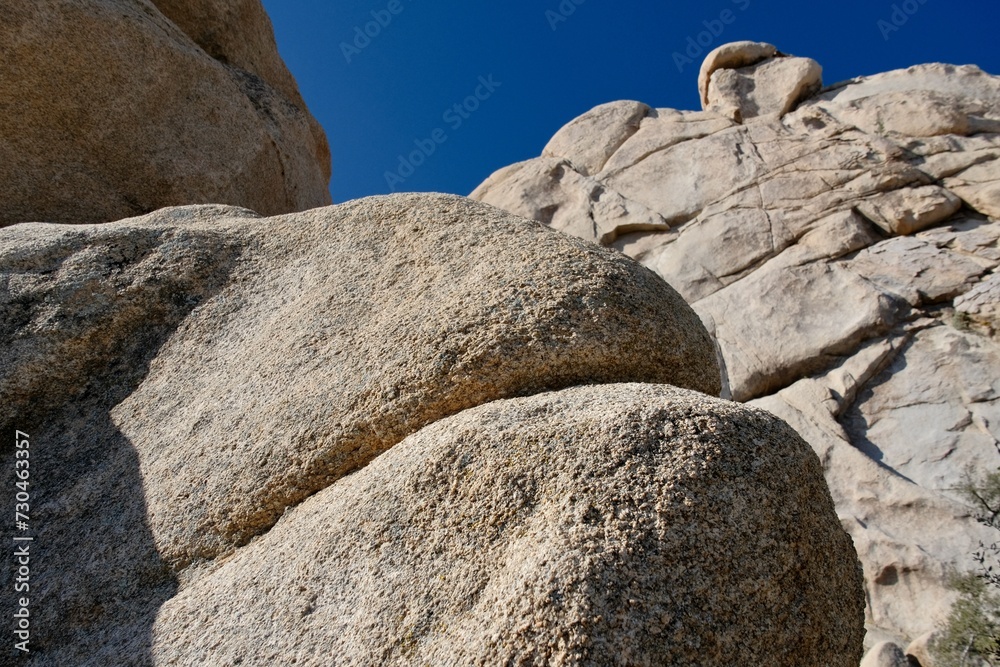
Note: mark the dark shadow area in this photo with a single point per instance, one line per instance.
(855, 424)
(96, 578)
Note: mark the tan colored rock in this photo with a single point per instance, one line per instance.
(661, 129)
(755, 209)
(588, 141)
(740, 238)
(886, 654)
(190, 375)
(971, 235)
(979, 186)
(681, 181)
(550, 191)
(572, 203)
(778, 237)
(909, 211)
(915, 113)
(767, 185)
(733, 55)
(933, 412)
(234, 32)
(984, 197)
(239, 33)
(908, 536)
(917, 270)
(780, 339)
(944, 93)
(773, 86)
(941, 157)
(982, 302)
(112, 110)
(577, 527)
(836, 235)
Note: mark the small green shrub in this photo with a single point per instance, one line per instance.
(961, 321)
(971, 637)
(973, 630)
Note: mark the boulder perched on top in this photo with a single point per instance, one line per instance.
(617, 524)
(191, 375)
(734, 55)
(845, 257)
(742, 80)
(114, 108)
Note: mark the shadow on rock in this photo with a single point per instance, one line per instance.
(93, 314)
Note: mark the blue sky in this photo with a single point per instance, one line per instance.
(519, 70)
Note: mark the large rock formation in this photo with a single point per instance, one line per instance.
(187, 105)
(619, 524)
(843, 252)
(198, 384)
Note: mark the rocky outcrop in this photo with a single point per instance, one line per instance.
(843, 251)
(632, 524)
(188, 105)
(198, 385)
(391, 299)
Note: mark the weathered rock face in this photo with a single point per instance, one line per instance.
(620, 524)
(410, 269)
(189, 105)
(189, 377)
(844, 255)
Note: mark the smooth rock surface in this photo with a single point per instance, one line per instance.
(188, 376)
(696, 174)
(918, 270)
(914, 101)
(780, 339)
(934, 411)
(908, 211)
(661, 129)
(144, 115)
(592, 138)
(620, 524)
(914, 113)
(979, 186)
